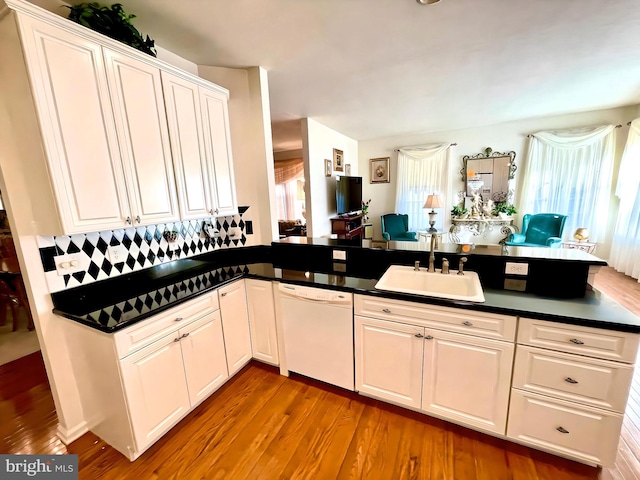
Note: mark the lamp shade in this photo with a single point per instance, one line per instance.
(581, 234)
(433, 201)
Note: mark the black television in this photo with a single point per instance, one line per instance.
(348, 194)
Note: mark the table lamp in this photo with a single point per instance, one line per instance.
(581, 234)
(433, 201)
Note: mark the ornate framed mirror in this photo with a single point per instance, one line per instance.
(489, 173)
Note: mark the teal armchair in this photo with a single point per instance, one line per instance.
(539, 230)
(395, 226)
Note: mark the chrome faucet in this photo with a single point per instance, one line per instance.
(463, 260)
(432, 256)
(445, 265)
(416, 265)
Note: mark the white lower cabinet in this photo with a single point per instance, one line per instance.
(570, 389)
(262, 320)
(235, 325)
(467, 379)
(389, 360)
(463, 378)
(156, 390)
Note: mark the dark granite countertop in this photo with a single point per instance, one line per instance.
(185, 279)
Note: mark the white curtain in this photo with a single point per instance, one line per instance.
(569, 172)
(422, 171)
(625, 248)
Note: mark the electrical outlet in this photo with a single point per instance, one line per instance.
(339, 255)
(513, 268)
(517, 284)
(117, 253)
(234, 232)
(71, 263)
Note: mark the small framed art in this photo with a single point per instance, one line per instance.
(379, 170)
(347, 169)
(327, 168)
(338, 160)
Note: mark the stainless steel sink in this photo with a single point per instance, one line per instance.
(404, 279)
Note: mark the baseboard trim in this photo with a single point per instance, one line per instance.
(68, 435)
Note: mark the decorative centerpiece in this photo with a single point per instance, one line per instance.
(504, 210)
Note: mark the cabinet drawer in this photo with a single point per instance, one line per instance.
(489, 325)
(569, 429)
(593, 342)
(148, 331)
(585, 380)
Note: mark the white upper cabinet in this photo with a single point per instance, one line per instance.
(72, 100)
(123, 144)
(141, 123)
(217, 140)
(201, 147)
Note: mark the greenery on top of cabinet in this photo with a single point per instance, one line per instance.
(112, 21)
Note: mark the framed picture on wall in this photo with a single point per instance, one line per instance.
(327, 168)
(379, 170)
(347, 169)
(338, 160)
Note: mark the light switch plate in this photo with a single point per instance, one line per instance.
(117, 253)
(339, 255)
(70, 263)
(516, 268)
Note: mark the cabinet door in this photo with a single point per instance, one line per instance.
(389, 360)
(187, 146)
(467, 379)
(215, 117)
(141, 122)
(205, 363)
(235, 325)
(72, 98)
(262, 320)
(156, 389)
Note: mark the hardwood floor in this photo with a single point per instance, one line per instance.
(261, 425)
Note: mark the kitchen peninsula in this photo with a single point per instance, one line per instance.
(515, 351)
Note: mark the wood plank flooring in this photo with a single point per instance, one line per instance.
(261, 425)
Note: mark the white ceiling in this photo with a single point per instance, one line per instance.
(377, 68)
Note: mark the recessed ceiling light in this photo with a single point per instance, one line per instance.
(427, 2)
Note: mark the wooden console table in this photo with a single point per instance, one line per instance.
(347, 227)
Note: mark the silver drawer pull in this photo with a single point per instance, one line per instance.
(467, 324)
(562, 430)
(570, 380)
(386, 310)
(178, 319)
(419, 335)
(429, 337)
(576, 341)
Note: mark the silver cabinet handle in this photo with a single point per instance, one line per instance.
(128, 220)
(429, 337)
(467, 324)
(185, 335)
(419, 335)
(217, 210)
(386, 310)
(178, 319)
(570, 380)
(576, 341)
(138, 218)
(562, 430)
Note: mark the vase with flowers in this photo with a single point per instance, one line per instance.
(365, 210)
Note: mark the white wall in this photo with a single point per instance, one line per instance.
(250, 120)
(318, 143)
(502, 138)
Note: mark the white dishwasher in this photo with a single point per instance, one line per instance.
(318, 333)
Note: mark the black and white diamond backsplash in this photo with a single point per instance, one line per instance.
(146, 247)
